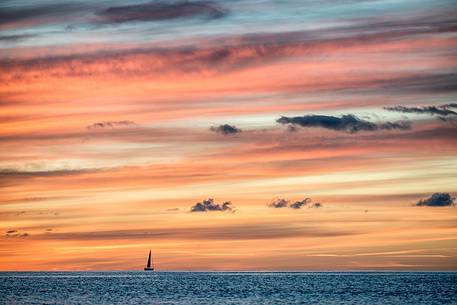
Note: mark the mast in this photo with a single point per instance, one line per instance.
(150, 265)
(149, 259)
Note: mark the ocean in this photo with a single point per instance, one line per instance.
(367, 288)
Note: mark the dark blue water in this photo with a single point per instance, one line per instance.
(228, 288)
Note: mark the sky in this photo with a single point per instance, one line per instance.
(228, 135)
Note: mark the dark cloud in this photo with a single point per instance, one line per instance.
(299, 204)
(437, 200)
(441, 110)
(11, 231)
(348, 123)
(110, 124)
(210, 205)
(225, 129)
(162, 10)
(278, 203)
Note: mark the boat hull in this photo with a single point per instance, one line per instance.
(148, 269)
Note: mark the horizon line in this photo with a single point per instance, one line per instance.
(240, 271)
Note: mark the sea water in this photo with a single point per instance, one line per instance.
(367, 288)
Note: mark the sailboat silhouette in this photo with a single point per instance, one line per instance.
(150, 265)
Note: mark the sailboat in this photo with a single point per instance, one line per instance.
(150, 265)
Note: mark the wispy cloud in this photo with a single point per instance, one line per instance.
(110, 124)
(227, 53)
(347, 123)
(16, 233)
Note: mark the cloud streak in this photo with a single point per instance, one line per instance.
(347, 123)
(228, 232)
(16, 233)
(162, 10)
(16, 38)
(29, 15)
(229, 52)
(441, 110)
(110, 124)
(12, 176)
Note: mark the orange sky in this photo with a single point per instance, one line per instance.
(111, 133)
